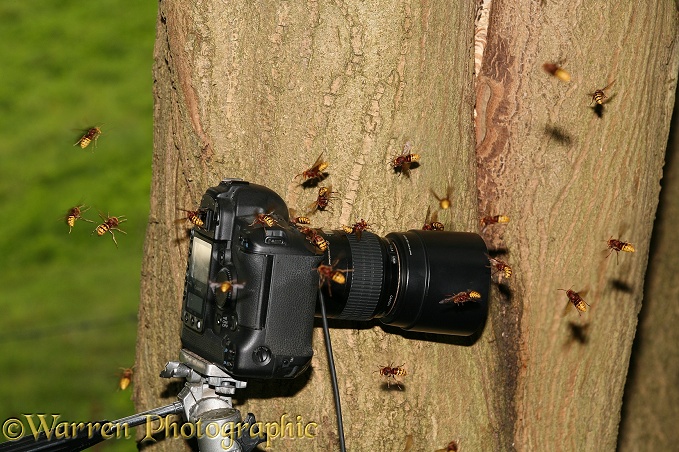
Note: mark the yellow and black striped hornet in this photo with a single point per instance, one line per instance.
(314, 238)
(617, 246)
(431, 222)
(576, 299)
(329, 274)
(265, 219)
(319, 242)
(125, 377)
(75, 213)
(296, 220)
(461, 297)
(445, 202)
(357, 228)
(599, 95)
(110, 224)
(312, 176)
(500, 268)
(392, 372)
(502, 219)
(403, 162)
(91, 134)
(196, 217)
(557, 71)
(325, 195)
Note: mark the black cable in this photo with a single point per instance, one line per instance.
(333, 373)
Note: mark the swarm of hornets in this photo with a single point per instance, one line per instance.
(109, 223)
(598, 99)
(501, 269)
(402, 164)
(329, 274)
(612, 245)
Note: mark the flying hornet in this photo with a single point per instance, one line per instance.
(91, 134)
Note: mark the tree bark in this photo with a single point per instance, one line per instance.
(258, 90)
(570, 179)
(651, 403)
(247, 90)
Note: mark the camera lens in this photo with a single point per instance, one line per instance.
(402, 278)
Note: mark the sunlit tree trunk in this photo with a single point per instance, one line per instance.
(571, 176)
(258, 90)
(651, 403)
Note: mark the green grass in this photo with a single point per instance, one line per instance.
(70, 300)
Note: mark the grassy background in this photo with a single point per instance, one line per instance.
(70, 301)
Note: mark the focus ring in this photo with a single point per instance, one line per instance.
(366, 278)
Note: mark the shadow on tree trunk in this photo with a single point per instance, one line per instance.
(649, 410)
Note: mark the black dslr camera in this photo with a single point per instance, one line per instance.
(252, 282)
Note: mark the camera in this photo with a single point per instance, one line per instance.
(252, 282)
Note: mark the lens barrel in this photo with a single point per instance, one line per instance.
(401, 279)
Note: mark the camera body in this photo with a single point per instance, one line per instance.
(263, 328)
(253, 279)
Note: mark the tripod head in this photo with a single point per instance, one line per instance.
(206, 399)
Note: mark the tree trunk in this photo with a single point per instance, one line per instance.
(258, 90)
(651, 402)
(571, 177)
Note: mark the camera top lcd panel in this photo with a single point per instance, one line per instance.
(251, 285)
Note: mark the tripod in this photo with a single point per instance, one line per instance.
(205, 401)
